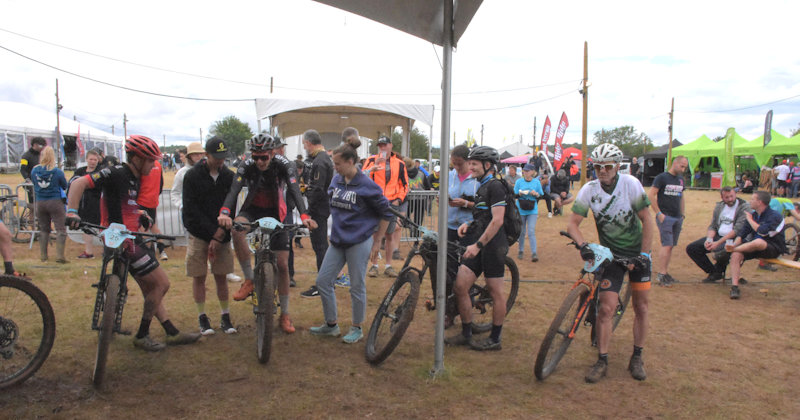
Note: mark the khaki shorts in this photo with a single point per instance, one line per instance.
(197, 258)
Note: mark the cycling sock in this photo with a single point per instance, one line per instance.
(9, 267)
(495, 334)
(144, 328)
(637, 351)
(284, 299)
(603, 357)
(169, 328)
(247, 269)
(225, 306)
(466, 329)
(201, 307)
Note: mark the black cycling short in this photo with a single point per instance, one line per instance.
(150, 212)
(142, 259)
(770, 252)
(614, 273)
(278, 241)
(491, 260)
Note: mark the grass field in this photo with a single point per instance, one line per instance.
(706, 356)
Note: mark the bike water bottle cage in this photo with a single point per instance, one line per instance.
(269, 223)
(115, 235)
(602, 256)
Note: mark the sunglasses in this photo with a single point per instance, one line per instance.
(608, 167)
(264, 157)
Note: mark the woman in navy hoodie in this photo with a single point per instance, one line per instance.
(358, 208)
(48, 184)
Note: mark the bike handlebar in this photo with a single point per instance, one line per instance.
(250, 226)
(624, 261)
(92, 228)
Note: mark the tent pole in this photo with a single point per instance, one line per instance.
(585, 92)
(444, 157)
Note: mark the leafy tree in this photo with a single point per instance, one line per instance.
(795, 131)
(626, 138)
(418, 148)
(233, 132)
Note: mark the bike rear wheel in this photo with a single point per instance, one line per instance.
(106, 328)
(482, 302)
(393, 317)
(265, 310)
(27, 329)
(557, 340)
(792, 235)
(24, 225)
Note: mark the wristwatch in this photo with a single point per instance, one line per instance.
(479, 244)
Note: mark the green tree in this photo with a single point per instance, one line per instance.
(418, 148)
(233, 132)
(626, 138)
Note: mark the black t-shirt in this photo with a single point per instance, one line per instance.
(120, 191)
(670, 191)
(491, 193)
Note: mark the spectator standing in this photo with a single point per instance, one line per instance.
(511, 174)
(669, 204)
(433, 178)
(89, 209)
(782, 175)
(48, 183)
(795, 166)
(205, 187)
(635, 168)
(28, 161)
(727, 219)
(194, 153)
(418, 164)
(358, 208)
(152, 184)
(417, 206)
(389, 171)
(528, 190)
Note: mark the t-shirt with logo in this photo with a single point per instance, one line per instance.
(726, 218)
(796, 172)
(491, 193)
(615, 213)
(670, 192)
(120, 191)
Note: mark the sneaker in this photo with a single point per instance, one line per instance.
(534, 258)
(84, 255)
(226, 325)
(663, 280)
(742, 281)
(712, 277)
(672, 280)
(233, 278)
(373, 271)
(389, 272)
(457, 340)
(205, 325)
(636, 368)
(519, 256)
(164, 256)
(292, 283)
(244, 291)
(298, 244)
(343, 281)
(549, 214)
(485, 344)
(735, 294)
(353, 336)
(767, 267)
(312, 292)
(182, 338)
(396, 255)
(286, 324)
(148, 344)
(597, 372)
(324, 329)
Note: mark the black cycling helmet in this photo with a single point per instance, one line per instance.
(484, 154)
(261, 143)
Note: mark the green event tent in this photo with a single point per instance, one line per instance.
(780, 146)
(701, 154)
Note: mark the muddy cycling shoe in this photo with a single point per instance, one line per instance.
(183, 338)
(597, 372)
(457, 340)
(389, 272)
(485, 344)
(244, 291)
(286, 324)
(373, 271)
(636, 368)
(148, 344)
(735, 293)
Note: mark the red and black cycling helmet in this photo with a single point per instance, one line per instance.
(143, 147)
(261, 142)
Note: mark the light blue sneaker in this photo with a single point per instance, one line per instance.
(353, 336)
(324, 329)
(343, 281)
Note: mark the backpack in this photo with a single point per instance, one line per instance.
(512, 221)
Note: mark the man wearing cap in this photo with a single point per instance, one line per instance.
(782, 172)
(205, 186)
(388, 171)
(193, 155)
(433, 178)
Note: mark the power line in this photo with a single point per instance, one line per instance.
(743, 108)
(516, 106)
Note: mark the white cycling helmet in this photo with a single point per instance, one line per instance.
(607, 152)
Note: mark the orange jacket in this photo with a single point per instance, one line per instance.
(150, 187)
(394, 181)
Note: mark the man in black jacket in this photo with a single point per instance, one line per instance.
(320, 174)
(205, 187)
(30, 159)
(559, 191)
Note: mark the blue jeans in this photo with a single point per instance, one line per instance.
(356, 257)
(529, 226)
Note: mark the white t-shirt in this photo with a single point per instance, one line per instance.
(726, 219)
(783, 172)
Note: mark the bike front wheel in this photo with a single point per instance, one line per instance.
(27, 329)
(106, 328)
(393, 317)
(264, 309)
(482, 302)
(23, 225)
(557, 339)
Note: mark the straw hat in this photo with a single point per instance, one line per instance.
(195, 147)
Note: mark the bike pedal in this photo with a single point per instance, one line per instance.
(95, 285)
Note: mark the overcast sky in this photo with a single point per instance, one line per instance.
(519, 59)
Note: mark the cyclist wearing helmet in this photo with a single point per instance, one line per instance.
(625, 226)
(487, 253)
(120, 185)
(267, 176)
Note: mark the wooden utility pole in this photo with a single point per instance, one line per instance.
(481, 134)
(671, 114)
(58, 126)
(533, 148)
(201, 135)
(585, 93)
(125, 125)
(270, 84)
(164, 141)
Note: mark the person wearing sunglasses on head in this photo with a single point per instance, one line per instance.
(267, 176)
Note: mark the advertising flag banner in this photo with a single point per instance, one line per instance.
(729, 168)
(768, 128)
(558, 156)
(545, 134)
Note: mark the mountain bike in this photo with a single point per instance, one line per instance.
(582, 300)
(27, 329)
(265, 279)
(791, 232)
(396, 310)
(112, 289)
(18, 217)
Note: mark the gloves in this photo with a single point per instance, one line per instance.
(73, 221)
(145, 221)
(643, 261)
(586, 253)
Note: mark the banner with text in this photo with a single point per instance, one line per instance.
(558, 156)
(545, 134)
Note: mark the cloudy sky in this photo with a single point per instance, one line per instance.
(726, 63)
